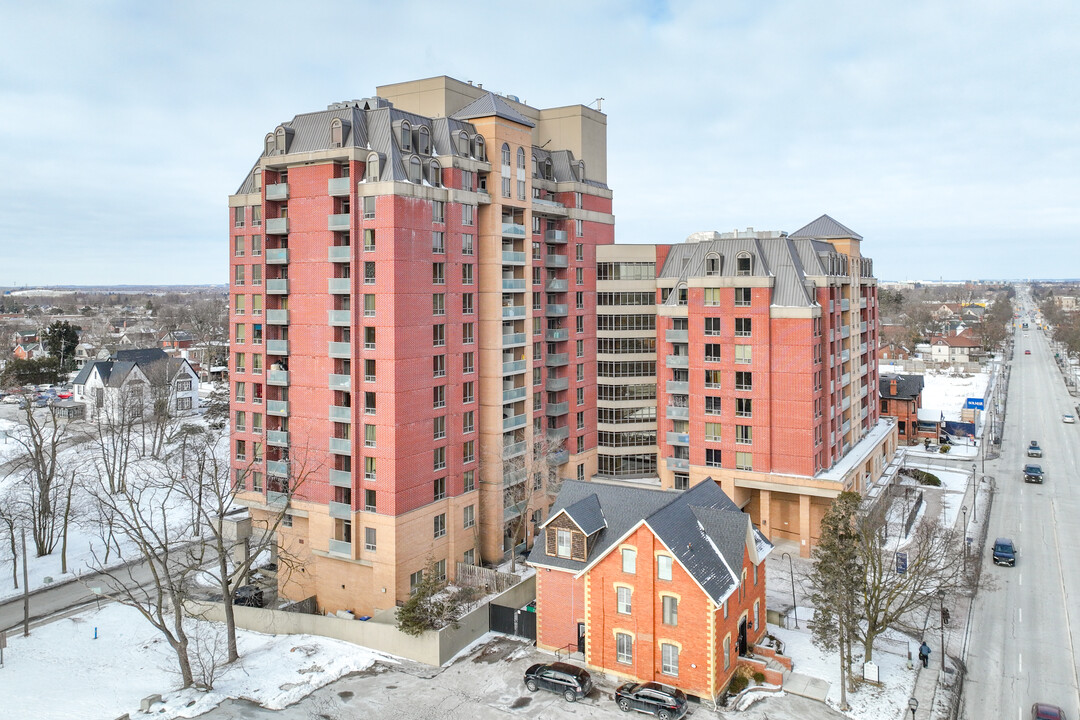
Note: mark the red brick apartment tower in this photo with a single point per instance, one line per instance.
(766, 377)
(387, 352)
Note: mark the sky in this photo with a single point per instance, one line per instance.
(945, 133)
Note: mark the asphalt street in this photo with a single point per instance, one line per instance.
(1026, 619)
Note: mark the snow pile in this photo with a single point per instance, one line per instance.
(108, 676)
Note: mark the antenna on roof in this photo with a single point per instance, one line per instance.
(599, 104)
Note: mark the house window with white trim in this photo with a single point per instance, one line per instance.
(629, 560)
(671, 610)
(669, 664)
(624, 648)
(663, 567)
(622, 600)
(562, 543)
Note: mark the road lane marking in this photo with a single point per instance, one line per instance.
(1019, 615)
(1020, 663)
(1021, 579)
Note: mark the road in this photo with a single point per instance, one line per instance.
(1026, 619)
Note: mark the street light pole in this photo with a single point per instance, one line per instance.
(941, 596)
(963, 538)
(974, 495)
(913, 705)
(794, 603)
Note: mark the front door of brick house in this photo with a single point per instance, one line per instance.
(581, 638)
(742, 637)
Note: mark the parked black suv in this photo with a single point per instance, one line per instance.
(1033, 473)
(663, 701)
(1004, 552)
(570, 681)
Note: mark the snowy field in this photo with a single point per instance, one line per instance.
(61, 671)
(945, 391)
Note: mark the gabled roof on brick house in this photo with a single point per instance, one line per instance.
(908, 387)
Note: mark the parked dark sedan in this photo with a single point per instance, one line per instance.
(570, 681)
(663, 701)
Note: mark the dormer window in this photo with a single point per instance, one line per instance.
(435, 173)
(581, 170)
(271, 144)
(257, 175)
(534, 166)
(423, 141)
(478, 148)
(562, 543)
(547, 170)
(463, 143)
(279, 141)
(406, 135)
(744, 264)
(336, 134)
(414, 170)
(371, 172)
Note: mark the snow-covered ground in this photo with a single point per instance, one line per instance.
(946, 391)
(868, 702)
(61, 671)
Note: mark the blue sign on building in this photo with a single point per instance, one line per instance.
(974, 403)
(901, 563)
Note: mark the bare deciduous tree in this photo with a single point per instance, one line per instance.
(534, 482)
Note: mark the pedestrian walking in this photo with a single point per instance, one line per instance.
(924, 654)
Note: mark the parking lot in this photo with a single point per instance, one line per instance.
(485, 683)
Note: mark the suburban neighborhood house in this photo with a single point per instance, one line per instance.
(651, 585)
(105, 385)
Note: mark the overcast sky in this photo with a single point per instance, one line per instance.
(945, 133)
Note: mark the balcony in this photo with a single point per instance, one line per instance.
(277, 192)
(513, 450)
(559, 457)
(277, 499)
(513, 367)
(845, 380)
(677, 413)
(675, 438)
(557, 384)
(862, 349)
(277, 256)
(514, 394)
(677, 361)
(513, 285)
(557, 409)
(677, 336)
(557, 286)
(341, 446)
(277, 438)
(512, 511)
(277, 347)
(845, 332)
(846, 427)
(277, 226)
(845, 305)
(559, 434)
(341, 478)
(277, 408)
(557, 335)
(513, 340)
(278, 378)
(862, 326)
(514, 422)
(277, 317)
(845, 355)
(511, 312)
(277, 286)
(845, 403)
(340, 547)
(341, 511)
(341, 382)
(510, 257)
(678, 387)
(557, 310)
(340, 413)
(557, 360)
(555, 261)
(677, 464)
(338, 187)
(555, 237)
(280, 468)
(864, 412)
(513, 476)
(340, 350)
(338, 286)
(339, 318)
(339, 253)
(513, 230)
(338, 223)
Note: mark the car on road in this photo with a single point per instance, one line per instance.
(1033, 473)
(1004, 552)
(567, 680)
(1042, 711)
(653, 698)
(1067, 418)
(1034, 450)
(1027, 352)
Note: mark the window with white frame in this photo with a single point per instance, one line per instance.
(629, 560)
(671, 610)
(663, 567)
(562, 543)
(624, 648)
(669, 663)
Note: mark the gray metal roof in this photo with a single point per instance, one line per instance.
(489, 105)
(587, 514)
(907, 386)
(826, 227)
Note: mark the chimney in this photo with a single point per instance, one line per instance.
(892, 387)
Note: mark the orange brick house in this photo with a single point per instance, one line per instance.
(651, 584)
(901, 398)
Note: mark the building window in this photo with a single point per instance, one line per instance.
(744, 407)
(579, 276)
(439, 489)
(438, 459)
(743, 264)
(712, 265)
(712, 296)
(369, 435)
(744, 434)
(562, 543)
(438, 395)
(467, 307)
(581, 420)
(467, 274)
(414, 581)
(579, 228)
(370, 468)
(622, 600)
(369, 273)
(467, 244)
(629, 560)
(438, 304)
(369, 207)
(438, 241)
(468, 516)
(369, 539)
(727, 645)
(470, 481)
(744, 380)
(712, 432)
(439, 525)
(682, 481)
(468, 215)
(663, 567)
(742, 297)
(467, 334)
(744, 461)
(742, 327)
(669, 664)
(369, 501)
(468, 452)
(468, 363)
(712, 405)
(467, 393)
(438, 273)
(712, 457)
(439, 430)
(438, 335)
(238, 217)
(624, 648)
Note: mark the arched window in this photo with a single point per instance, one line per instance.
(712, 264)
(547, 170)
(406, 135)
(371, 172)
(521, 158)
(744, 264)
(414, 170)
(271, 144)
(681, 291)
(423, 141)
(435, 173)
(479, 152)
(534, 166)
(581, 170)
(257, 175)
(279, 141)
(336, 135)
(463, 143)
(506, 155)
